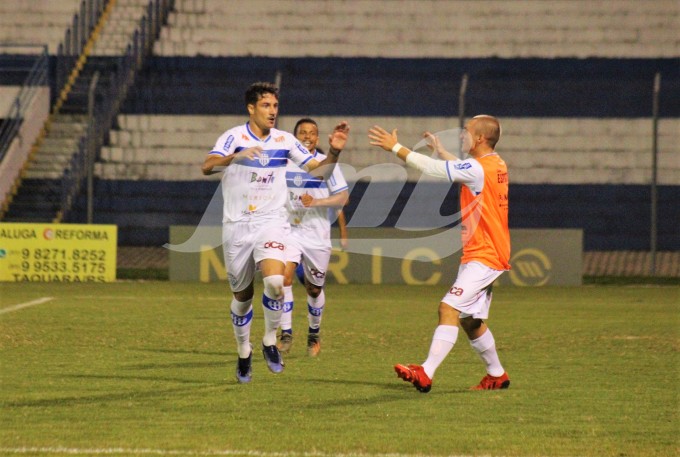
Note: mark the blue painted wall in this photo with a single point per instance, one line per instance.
(612, 217)
(411, 87)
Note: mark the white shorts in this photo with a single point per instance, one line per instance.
(471, 292)
(246, 244)
(314, 256)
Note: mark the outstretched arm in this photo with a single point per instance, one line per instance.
(378, 136)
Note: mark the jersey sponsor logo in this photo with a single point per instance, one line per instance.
(301, 148)
(251, 208)
(266, 179)
(227, 144)
(280, 139)
(298, 180)
(462, 166)
(274, 245)
(245, 137)
(502, 178)
(264, 159)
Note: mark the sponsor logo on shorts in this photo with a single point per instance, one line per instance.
(274, 245)
(457, 291)
(318, 274)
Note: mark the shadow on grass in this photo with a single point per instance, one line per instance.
(104, 398)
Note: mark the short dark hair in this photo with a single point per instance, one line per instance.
(257, 90)
(304, 120)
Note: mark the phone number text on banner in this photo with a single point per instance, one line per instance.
(57, 252)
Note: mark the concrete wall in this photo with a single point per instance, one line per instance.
(425, 28)
(537, 150)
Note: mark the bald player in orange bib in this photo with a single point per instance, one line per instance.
(486, 245)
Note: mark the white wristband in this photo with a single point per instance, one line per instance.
(396, 148)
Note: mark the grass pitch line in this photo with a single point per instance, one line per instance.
(25, 305)
(225, 452)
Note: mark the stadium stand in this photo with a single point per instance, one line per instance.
(37, 22)
(571, 81)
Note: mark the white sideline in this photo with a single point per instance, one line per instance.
(227, 452)
(25, 305)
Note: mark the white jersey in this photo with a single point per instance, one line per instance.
(313, 221)
(257, 188)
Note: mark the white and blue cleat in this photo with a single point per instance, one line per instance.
(244, 368)
(273, 358)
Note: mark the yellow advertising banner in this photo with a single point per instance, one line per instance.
(58, 252)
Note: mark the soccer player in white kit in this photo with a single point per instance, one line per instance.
(255, 225)
(310, 200)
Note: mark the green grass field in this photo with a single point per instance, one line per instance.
(147, 368)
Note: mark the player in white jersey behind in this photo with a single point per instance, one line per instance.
(255, 225)
(310, 200)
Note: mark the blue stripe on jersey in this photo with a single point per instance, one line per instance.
(271, 158)
(217, 153)
(337, 191)
(304, 181)
(448, 172)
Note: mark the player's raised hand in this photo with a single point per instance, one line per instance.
(434, 144)
(338, 138)
(248, 154)
(378, 136)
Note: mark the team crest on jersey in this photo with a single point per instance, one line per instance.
(264, 159)
(297, 180)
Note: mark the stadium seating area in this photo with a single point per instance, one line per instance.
(571, 81)
(36, 22)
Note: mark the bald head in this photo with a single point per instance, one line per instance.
(488, 127)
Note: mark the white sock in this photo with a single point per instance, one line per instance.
(315, 310)
(444, 338)
(272, 304)
(241, 318)
(485, 346)
(287, 315)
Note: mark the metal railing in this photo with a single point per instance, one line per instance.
(107, 105)
(37, 76)
(76, 37)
